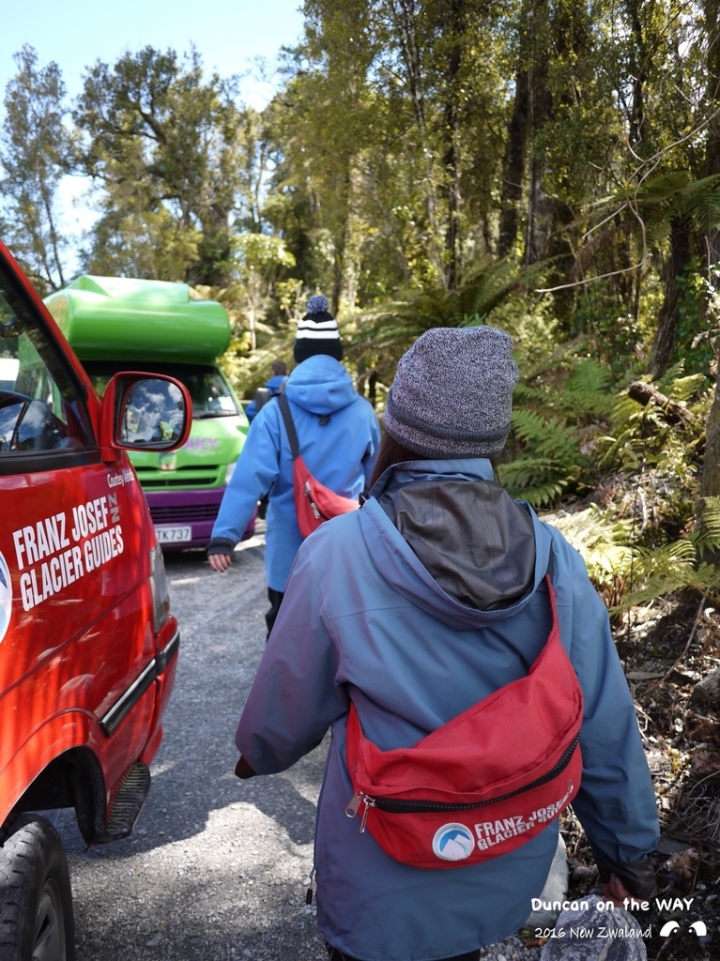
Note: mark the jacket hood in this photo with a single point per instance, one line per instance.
(276, 382)
(321, 385)
(417, 523)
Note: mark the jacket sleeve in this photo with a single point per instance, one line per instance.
(372, 447)
(294, 698)
(254, 474)
(616, 802)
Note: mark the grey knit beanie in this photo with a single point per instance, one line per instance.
(452, 393)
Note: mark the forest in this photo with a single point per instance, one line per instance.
(551, 168)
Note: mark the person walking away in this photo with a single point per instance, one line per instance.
(272, 388)
(275, 385)
(339, 435)
(429, 599)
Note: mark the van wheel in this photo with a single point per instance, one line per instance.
(36, 913)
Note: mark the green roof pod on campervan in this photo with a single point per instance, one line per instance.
(120, 323)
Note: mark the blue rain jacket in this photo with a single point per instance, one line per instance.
(363, 617)
(339, 451)
(274, 385)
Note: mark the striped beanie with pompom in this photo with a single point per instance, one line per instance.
(317, 332)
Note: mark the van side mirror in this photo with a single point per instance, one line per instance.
(143, 412)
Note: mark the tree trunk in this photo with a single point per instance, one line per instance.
(514, 167)
(680, 253)
(712, 148)
(405, 19)
(537, 232)
(539, 211)
(710, 486)
(638, 66)
(341, 233)
(451, 160)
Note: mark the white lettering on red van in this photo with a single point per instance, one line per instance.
(114, 509)
(48, 559)
(89, 518)
(126, 476)
(46, 537)
(102, 548)
(51, 577)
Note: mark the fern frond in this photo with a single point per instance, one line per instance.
(707, 537)
(602, 542)
(684, 388)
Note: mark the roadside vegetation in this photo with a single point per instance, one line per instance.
(552, 169)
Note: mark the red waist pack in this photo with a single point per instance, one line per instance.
(314, 502)
(484, 783)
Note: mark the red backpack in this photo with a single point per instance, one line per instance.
(314, 502)
(484, 783)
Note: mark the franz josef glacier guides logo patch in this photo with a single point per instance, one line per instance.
(5, 597)
(453, 842)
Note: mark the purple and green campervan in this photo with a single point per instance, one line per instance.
(116, 323)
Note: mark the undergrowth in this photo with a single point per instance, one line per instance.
(617, 478)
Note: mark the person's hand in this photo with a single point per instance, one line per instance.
(625, 884)
(220, 562)
(614, 890)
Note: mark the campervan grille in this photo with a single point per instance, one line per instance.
(207, 475)
(183, 513)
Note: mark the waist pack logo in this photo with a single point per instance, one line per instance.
(314, 502)
(453, 842)
(484, 783)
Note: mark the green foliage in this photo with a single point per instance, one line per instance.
(628, 574)
(546, 458)
(36, 151)
(167, 146)
(685, 564)
(557, 408)
(640, 438)
(605, 543)
(377, 337)
(648, 539)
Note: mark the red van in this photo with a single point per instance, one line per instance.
(88, 646)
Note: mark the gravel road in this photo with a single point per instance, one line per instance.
(217, 868)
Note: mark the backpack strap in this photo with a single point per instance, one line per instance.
(292, 437)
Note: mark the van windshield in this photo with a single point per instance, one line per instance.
(210, 394)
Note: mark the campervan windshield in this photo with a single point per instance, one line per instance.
(210, 394)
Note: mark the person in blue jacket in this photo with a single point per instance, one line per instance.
(429, 598)
(275, 385)
(338, 434)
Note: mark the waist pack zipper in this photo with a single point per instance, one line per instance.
(313, 506)
(397, 806)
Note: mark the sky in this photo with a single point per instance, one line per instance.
(230, 35)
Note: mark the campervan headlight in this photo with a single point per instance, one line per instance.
(159, 585)
(229, 472)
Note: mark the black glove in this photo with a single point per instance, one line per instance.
(243, 769)
(638, 877)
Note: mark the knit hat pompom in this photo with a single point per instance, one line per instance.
(317, 332)
(318, 305)
(452, 393)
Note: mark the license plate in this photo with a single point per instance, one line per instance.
(173, 535)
